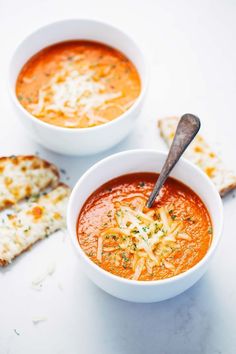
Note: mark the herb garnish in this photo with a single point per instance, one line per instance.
(210, 230)
(125, 258)
(173, 216)
(16, 332)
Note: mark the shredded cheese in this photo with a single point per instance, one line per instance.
(76, 93)
(38, 281)
(149, 236)
(38, 319)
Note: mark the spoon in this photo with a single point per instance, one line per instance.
(186, 130)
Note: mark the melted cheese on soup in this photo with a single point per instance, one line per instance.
(121, 235)
(78, 84)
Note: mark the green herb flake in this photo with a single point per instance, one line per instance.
(134, 247)
(16, 332)
(189, 219)
(173, 216)
(34, 198)
(125, 258)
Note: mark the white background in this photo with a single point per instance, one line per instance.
(192, 56)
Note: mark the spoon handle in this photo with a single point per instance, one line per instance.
(186, 130)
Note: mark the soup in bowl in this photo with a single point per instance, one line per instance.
(78, 85)
(121, 235)
(131, 251)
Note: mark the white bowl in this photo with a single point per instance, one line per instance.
(144, 161)
(78, 141)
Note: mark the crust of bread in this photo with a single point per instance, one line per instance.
(227, 189)
(224, 179)
(4, 263)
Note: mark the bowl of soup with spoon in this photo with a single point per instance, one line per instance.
(137, 253)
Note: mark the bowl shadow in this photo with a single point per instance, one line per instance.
(181, 325)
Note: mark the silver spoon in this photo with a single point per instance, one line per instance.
(187, 128)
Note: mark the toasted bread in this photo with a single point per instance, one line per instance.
(24, 176)
(31, 221)
(200, 153)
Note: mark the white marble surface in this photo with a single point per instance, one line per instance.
(192, 55)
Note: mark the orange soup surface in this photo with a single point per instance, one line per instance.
(78, 84)
(122, 236)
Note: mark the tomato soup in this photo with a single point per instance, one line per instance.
(121, 235)
(78, 84)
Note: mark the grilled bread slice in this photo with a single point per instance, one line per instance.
(31, 221)
(200, 153)
(24, 176)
